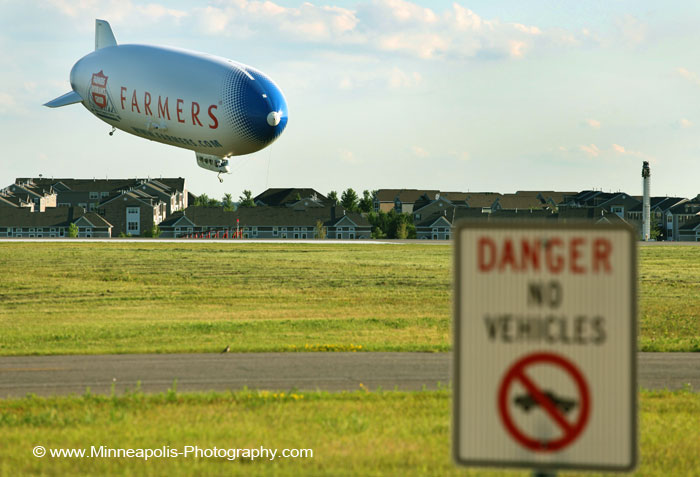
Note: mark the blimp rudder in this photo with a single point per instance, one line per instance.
(103, 35)
(253, 106)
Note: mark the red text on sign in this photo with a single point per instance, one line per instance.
(554, 255)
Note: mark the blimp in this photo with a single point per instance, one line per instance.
(214, 106)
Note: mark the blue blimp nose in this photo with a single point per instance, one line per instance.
(255, 106)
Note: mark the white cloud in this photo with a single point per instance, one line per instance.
(400, 79)
(376, 77)
(621, 150)
(684, 123)
(595, 124)
(689, 75)
(348, 157)
(460, 155)
(633, 30)
(397, 26)
(592, 150)
(419, 151)
(7, 103)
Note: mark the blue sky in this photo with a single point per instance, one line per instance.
(467, 95)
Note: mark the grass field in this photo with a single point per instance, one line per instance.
(119, 297)
(358, 433)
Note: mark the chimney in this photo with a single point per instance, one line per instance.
(333, 214)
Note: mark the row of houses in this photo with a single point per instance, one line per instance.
(129, 206)
(674, 218)
(42, 207)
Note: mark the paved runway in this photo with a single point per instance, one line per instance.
(48, 375)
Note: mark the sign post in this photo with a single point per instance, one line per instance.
(545, 347)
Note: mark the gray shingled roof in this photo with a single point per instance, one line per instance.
(277, 197)
(263, 216)
(53, 217)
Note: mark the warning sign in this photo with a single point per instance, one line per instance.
(545, 347)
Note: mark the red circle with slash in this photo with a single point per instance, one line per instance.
(571, 430)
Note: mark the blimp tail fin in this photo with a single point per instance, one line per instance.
(103, 35)
(64, 100)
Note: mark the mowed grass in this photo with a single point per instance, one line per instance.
(120, 297)
(669, 298)
(157, 298)
(352, 433)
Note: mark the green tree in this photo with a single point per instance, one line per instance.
(349, 200)
(401, 230)
(73, 230)
(333, 197)
(205, 201)
(153, 232)
(367, 201)
(246, 200)
(392, 225)
(227, 202)
(320, 230)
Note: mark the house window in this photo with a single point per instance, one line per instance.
(104, 194)
(274, 231)
(284, 235)
(94, 195)
(303, 236)
(670, 219)
(296, 236)
(133, 219)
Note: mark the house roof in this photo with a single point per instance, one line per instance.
(690, 207)
(135, 194)
(276, 197)
(265, 216)
(52, 217)
(521, 201)
(406, 196)
(482, 199)
(100, 185)
(448, 214)
(690, 225)
(425, 209)
(611, 218)
(663, 203)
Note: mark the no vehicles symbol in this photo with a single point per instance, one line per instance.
(554, 406)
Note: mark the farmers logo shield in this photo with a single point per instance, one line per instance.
(99, 89)
(99, 97)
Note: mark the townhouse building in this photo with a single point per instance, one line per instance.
(280, 222)
(53, 222)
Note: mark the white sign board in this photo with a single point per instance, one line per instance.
(545, 346)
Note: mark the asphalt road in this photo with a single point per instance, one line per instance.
(50, 375)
